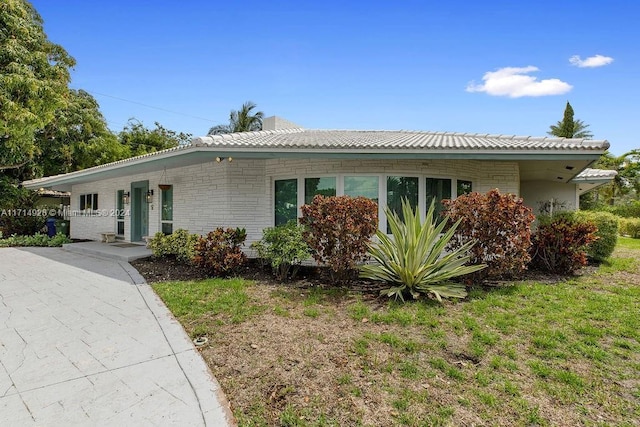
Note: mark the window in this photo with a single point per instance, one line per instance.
(436, 190)
(166, 217)
(286, 200)
(365, 186)
(314, 186)
(399, 188)
(120, 213)
(88, 202)
(463, 187)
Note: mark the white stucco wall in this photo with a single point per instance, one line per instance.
(240, 193)
(535, 193)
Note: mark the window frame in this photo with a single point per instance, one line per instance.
(82, 202)
(163, 221)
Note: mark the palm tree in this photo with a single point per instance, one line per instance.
(570, 128)
(243, 120)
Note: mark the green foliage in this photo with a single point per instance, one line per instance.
(560, 243)
(219, 252)
(570, 128)
(179, 244)
(16, 204)
(501, 225)
(35, 240)
(623, 191)
(606, 236)
(77, 138)
(628, 210)
(141, 140)
(243, 120)
(338, 229)
(284, 248)
(630, 227)
(414, 260)
(34, 78)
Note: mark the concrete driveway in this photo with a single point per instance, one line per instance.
(84, 341)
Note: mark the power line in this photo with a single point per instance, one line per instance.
(151, 106)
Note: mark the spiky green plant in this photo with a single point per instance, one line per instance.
(414, 260)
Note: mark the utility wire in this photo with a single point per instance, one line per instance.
(151, 106)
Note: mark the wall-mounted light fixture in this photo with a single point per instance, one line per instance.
(125, 197)
(150, 196)
(220, 159)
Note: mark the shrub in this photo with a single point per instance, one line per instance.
(630, 227)
(179, 244)
(338, 229)
(219, 252)
(607, 234)
(35, 240)
(628, 210)
(414, 260)
(284, 248)
(15, 205)
(560, 243)
(500, 223)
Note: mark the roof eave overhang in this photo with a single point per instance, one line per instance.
(198, 154)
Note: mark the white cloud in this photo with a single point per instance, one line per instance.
(590, 62)
(515, 82)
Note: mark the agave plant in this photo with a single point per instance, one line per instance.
(414, 260)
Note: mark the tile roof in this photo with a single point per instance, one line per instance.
(588, 174)
(391, 140)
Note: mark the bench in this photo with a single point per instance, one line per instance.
(108, 236)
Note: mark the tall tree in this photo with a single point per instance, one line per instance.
(77, 138)
(568, 127)
(34, 78)
(141, 140)
(243, 120)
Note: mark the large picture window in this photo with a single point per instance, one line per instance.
(286, 200)
(365, 186)
(436, 190)
(463, 187)
(399, 188)
(315, 186)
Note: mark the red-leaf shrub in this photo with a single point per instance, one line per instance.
(501, 225)
(219, 252)
(338, 230)
(560, 243)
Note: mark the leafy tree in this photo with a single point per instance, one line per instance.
(141, 140)
(244, 120)
(626, 185)
(568, 127)
(77, 138)
(34, 78)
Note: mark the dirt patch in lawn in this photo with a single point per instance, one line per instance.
(308, 353)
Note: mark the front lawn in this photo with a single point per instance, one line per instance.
(527, 354)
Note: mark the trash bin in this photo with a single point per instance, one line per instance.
(51, 227)
(62, 226)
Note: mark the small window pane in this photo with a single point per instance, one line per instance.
(167, 204)
(120, 230)
(437, 190)
(365, 186)
(314, 186)
(464, 187)
(83, 202)
(167, 228)
(286, 200)
(399, 188)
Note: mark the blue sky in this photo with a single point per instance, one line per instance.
(465, 66)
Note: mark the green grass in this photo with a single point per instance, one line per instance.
(526, 354)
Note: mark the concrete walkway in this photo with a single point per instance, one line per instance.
(84, 341)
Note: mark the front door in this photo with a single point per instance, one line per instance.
(139, 210)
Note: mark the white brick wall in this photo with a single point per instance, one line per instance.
(239, 193)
